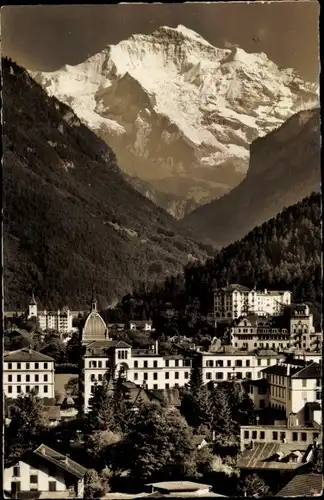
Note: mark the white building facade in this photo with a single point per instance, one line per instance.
(25, 370)
(233, 301)
(60, 320)
(143, 367)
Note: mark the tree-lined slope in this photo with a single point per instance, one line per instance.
(70, 218)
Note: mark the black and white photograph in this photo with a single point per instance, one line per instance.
(161, 250)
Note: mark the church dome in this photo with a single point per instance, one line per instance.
(94, 328)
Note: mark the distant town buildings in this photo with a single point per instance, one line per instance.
(235, 300)
(59, 321)
(25, 370)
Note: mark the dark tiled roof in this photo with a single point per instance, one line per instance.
(314, 406)
(235, 287)
(303, 485)
(311, 371)
(262, 382)
(61, 461)
(262, 456)
(100, 347)
(281, 370)
(26, 354)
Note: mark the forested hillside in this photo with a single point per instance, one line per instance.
(283, 253)
(70, 218)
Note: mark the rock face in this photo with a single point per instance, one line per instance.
(284, 168)
(70, 218)
(179, 112)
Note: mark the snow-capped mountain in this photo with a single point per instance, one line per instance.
(179, 112)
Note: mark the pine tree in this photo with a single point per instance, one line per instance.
(221, 414)
(101, 413)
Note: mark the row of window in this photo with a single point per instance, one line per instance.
(28, 388)
(296, 436)
(230, 375)
(278, 392)
(220, 363)
(20, 378)
(105, 364)
(28, 366)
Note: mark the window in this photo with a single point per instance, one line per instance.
(219, 375)
(167, 386)
(135, 364)
(209, 363)
(219, 363)
(166, 362)
(238, 362)
(247, 362)
(208, 375)
(9, 366)
(10, 389)
(45, 366)
(9, 378)
(295, 436)
(37, 366)
(51, 485)
(92, 389)
(282, 436)
(186, 375)
(36, 388)
(100, 377)
(246, 434)
(145, 364)
(167, 375)
(275, 436)
(107, 364)
(45, 388)
(155, 364)
(239, 375)
(18, 389)
(155, 376)
(16, 471)
(27, 388)
(27, 365)
(304, 382)
(33, 479)
(176, 375)
(268, 362)
(229, 362)
(248, 374)
(36, 378)
(92, 377)
(155, 386)
(176, 362)
(315, 435)
(135, 376)
(254, 434)
(27, 378)
(262, 434)
(99, 364)
(45, 378)
(18, 366)
(318, 394)
(145, 376)
(259, 362)
(303, 436)
(318, 382)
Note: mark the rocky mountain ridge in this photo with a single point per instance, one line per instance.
(284, 168)
(179, 112)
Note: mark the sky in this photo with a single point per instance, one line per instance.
(47, 37)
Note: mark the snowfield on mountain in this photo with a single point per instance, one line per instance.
(179, 112)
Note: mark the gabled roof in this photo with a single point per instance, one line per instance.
(26, 354)
(263, 456)
(235, 287)
(311, 371)
(303, 485)
(62, 461)
(100, 347)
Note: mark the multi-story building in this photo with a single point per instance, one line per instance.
(293, 384)
(143, 367)
(236, 300)
(144, 326)
(228, 364)
(60, 320)
(301, 327)
(257, 332)
(25, 370)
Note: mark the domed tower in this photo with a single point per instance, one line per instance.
(95, 329)
(32, 308)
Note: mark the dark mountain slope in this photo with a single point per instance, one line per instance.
(283, 253)
(284, 168)
(69, 216)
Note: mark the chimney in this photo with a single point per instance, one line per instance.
(156, 347)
